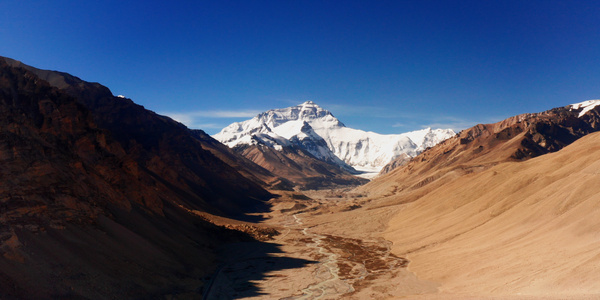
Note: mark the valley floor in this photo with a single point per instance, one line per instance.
(324, 250)
(331, 246)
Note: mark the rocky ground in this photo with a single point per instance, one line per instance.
(311, 257)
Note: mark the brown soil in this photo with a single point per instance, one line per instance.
(363, 261)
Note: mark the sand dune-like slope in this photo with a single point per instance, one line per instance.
(528, 228)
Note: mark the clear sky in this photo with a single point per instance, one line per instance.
(383, 66)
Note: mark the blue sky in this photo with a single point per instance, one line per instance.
(383, 66)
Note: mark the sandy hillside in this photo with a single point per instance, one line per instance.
(518, 228)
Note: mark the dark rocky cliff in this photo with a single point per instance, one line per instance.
(97, 193)
(166, 149)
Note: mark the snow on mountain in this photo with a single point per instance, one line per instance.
(316, 145)
(585, 106)
(324, 136)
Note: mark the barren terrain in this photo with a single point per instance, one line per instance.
(511, 230)
(325, 249)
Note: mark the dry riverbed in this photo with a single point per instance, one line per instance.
(328, 247)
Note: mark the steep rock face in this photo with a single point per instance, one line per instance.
(307, 124)
(80, 217)
(170, 152)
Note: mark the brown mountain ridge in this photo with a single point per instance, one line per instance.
(504, 210)
(298, 166)
(166, 149)
(96, 194)
(517, 138)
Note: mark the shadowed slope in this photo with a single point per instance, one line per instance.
(167, 150)
(85, 215)
(79, 217)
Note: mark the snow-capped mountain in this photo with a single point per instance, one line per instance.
(317, 131)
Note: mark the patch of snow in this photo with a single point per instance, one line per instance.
(585, 105)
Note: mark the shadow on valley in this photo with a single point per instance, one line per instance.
(101, 198)
(243, 264)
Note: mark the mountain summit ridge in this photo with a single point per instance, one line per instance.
(308, 123)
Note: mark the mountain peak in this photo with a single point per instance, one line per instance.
(289, 116)
(331, 139)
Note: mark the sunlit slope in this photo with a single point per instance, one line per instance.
(530, 228)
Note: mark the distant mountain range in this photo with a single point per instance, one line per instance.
(315, 130)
